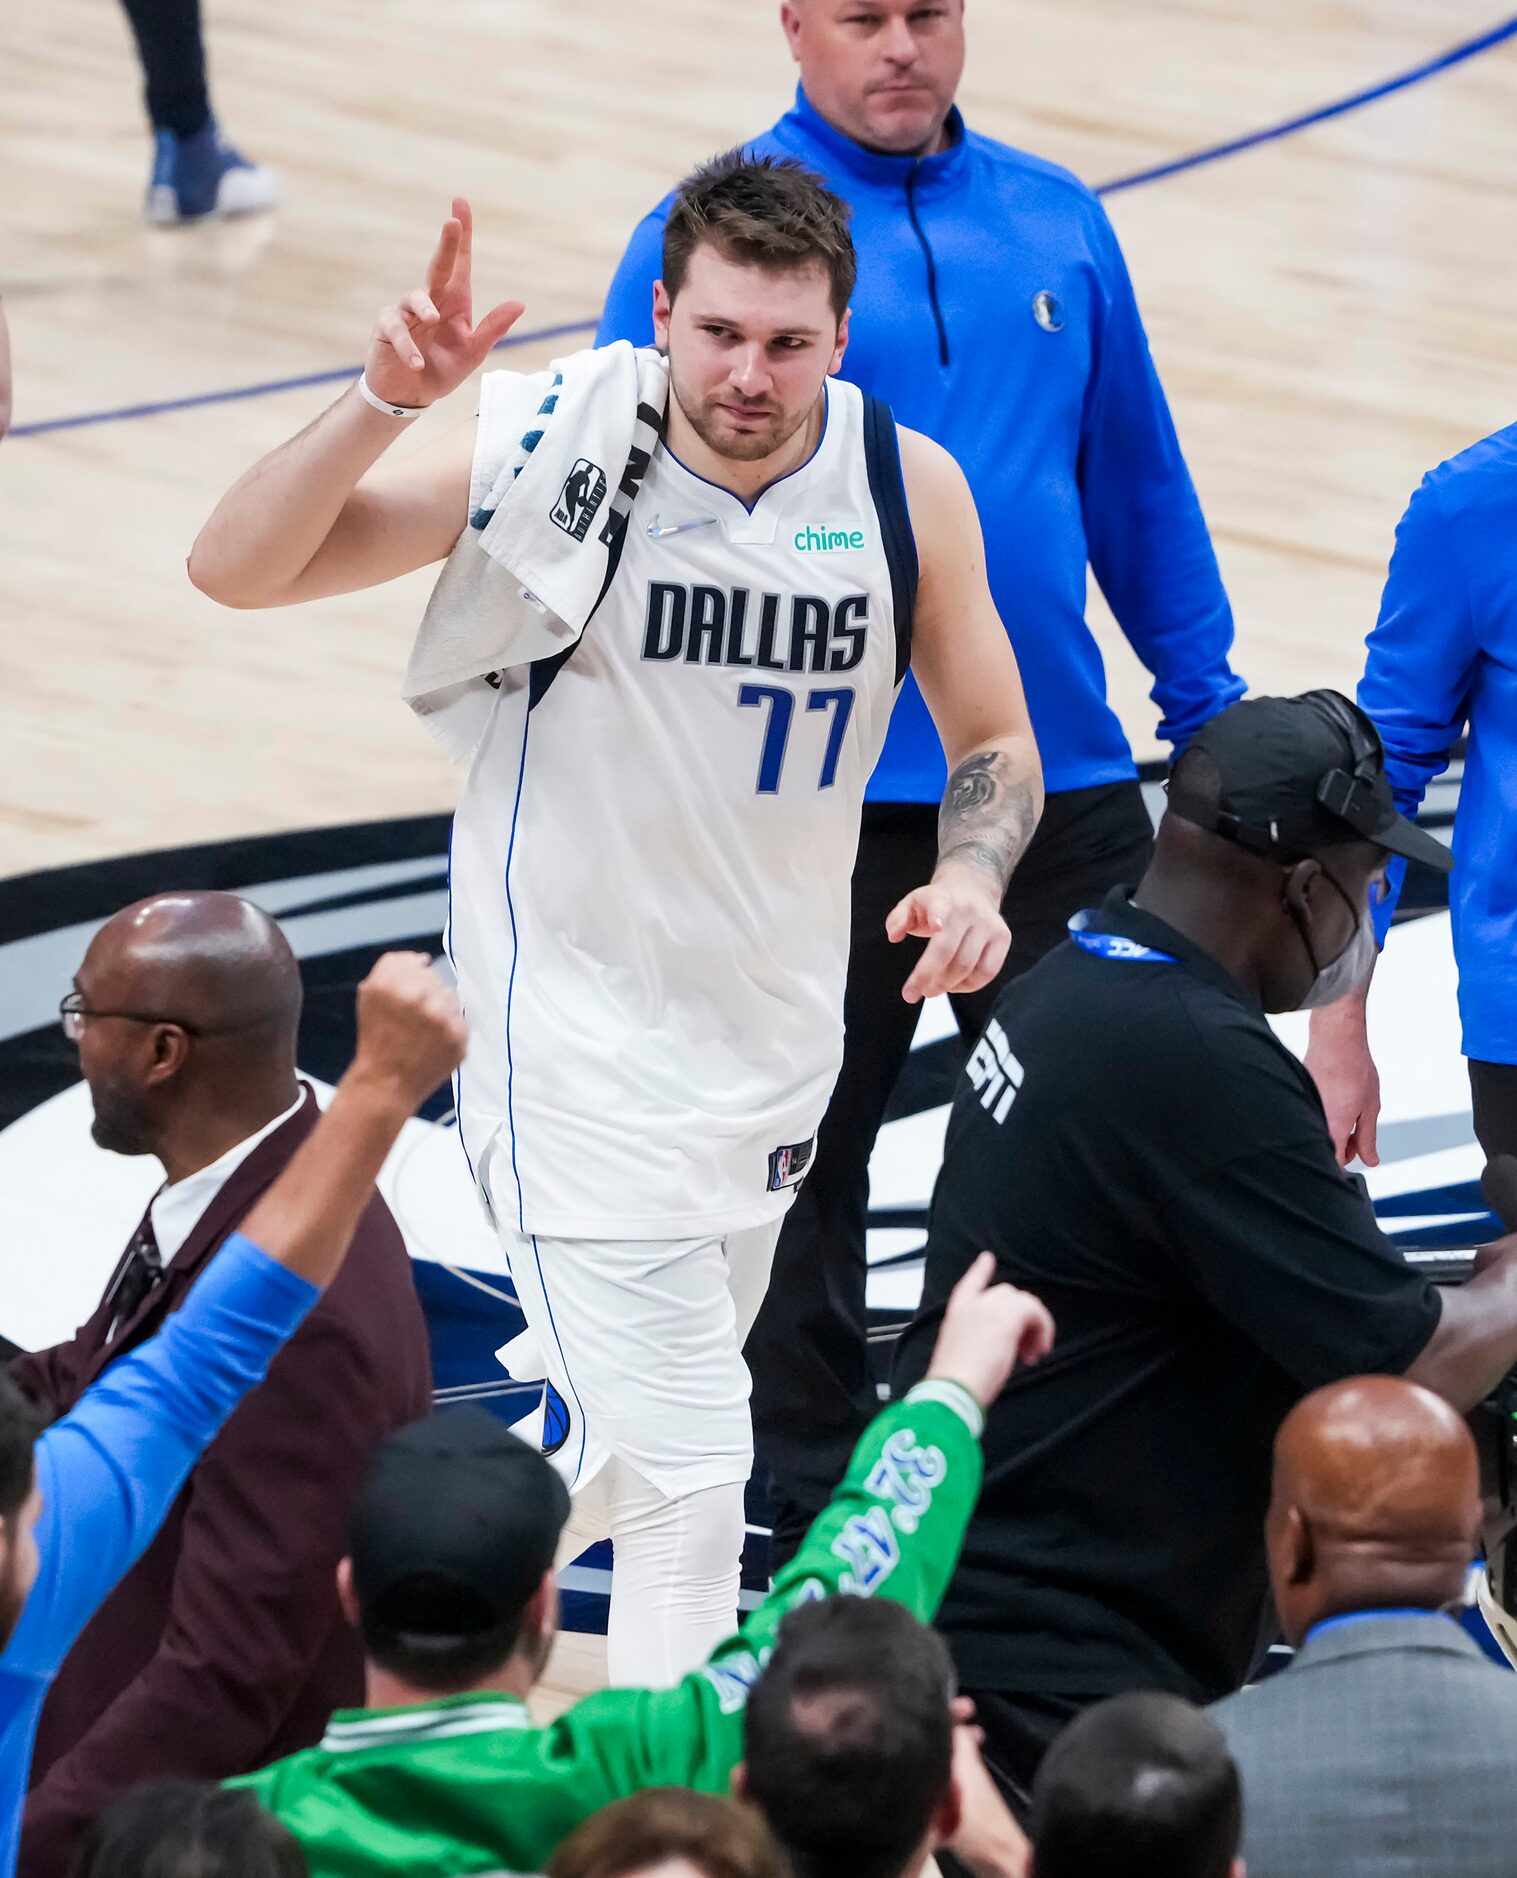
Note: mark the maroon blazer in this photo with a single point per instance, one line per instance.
(223, 1648)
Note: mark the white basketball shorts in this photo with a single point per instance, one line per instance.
(642, 1339)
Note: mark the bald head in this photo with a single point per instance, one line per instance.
(1376, 1502)
(209, 959)
(192, 1007)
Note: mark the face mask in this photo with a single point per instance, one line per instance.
(1346, 972)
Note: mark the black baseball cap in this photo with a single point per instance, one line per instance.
(456, 1522)
(1295, 776)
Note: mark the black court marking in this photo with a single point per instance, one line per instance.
(346, 894)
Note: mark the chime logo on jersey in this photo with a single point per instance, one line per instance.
(799, 632)
(582, 494)
(827, 538)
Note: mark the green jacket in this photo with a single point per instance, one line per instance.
(467, 1784)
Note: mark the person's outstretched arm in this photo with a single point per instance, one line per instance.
(254, 1597)
(316, 516)
(893, 1530)
(1475, 1342)
(963, 661)
(110, 1470)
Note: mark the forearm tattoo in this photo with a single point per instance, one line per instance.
(988, 815)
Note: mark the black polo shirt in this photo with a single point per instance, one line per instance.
(1136, 1146)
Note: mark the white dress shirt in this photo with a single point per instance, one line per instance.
(178, 1206)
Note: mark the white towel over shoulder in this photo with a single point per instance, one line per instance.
(559, 457)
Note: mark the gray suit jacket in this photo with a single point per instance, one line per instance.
(1388, 1749)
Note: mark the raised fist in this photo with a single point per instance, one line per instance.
(411, 1033)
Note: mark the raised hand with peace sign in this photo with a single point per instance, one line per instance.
(427, 344)
(322, 514)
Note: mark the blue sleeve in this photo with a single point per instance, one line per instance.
(1147, 538)
(628, 312)
(1420, 663)
(110, 1470)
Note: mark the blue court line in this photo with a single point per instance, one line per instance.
(1455, 55)
(266, 388)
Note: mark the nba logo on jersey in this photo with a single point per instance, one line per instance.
(582, 494)
(787, 1166)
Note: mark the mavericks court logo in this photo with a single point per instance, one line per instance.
(344, 895)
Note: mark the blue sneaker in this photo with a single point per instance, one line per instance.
(203, 175)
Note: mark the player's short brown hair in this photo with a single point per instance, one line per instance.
(762, 212)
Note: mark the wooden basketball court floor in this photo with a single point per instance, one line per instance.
(1332, 313)
(1331, 310)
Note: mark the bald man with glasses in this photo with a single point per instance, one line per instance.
(223, 1647)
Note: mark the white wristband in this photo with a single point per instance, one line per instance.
(383, 404)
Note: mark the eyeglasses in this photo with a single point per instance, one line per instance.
(74, 1014)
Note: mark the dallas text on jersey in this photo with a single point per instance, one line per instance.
(716, 626)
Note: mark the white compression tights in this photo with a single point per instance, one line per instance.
(674, 1588)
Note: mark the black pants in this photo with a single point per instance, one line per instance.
(813, 1387)
(173, 63)
(1493, 1088)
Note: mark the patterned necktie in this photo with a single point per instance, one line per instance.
(136, 1276)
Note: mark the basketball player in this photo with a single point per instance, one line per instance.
(651, 856)
(994, 312)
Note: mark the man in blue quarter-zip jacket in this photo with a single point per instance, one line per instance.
(1443, 659)
(993, 311)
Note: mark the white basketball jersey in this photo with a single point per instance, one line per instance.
(649, 894)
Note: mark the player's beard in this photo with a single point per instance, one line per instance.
(749, 444)
(121, 1122)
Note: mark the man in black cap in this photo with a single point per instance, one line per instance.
(1134, 1144)
(450, 1584)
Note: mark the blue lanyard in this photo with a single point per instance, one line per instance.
(1359, 1617)
(1110, 945)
